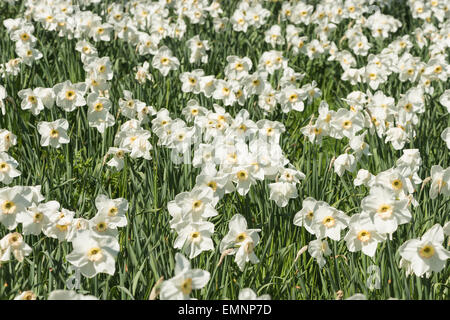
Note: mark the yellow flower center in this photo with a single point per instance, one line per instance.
(225, 91)
(197, 205)
(62, 227)
(384, 211)
(186, 286)
(54, 133)
(101, 226)
(112, 212)
(98, 107)
(4, 167)
(70, 94)
(241, 237)
(293, 97)
(32, 99)
(15, 239)
(195, 235)
(347, 124)
(212, 185)
(329, 222)
(95, 254)
(427, 251)
(364, 236)
(242, 175)
(38, 217)
(397, 184)
(164, 61)
(8, 207)
(24, 37)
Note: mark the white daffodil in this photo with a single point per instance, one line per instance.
(242, 240)
(364, 177)
(237, 68)
(13, 243)
(244, 177)
(101, 226)
(328, 222)
(193, 206)
(31, 101)
(305, 217)
(193, 110)
(291, 98)
(70, 96)
(281, 192)
(362, 235)
(195, 237)
(218, 181)
(114, 209)
(344, 162)
(37, 217)
(137, 142)
(143, 74)
(54, 133)
(191, 81)
(198, 49)
(13, 201)
(427, 253)
(100, 67)
(8, 167)
(98, 112)
(28, 54)
(318, 249)
(185, 280)
(94, 254)
(7, 140)
(117, 161)
(440, 181)
(61, 225)
(386, 212)
(164, 61)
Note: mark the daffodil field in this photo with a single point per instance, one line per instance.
(207, 149)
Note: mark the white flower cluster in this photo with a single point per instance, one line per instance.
(8, 164)
(233, 154)
(94, 241)
(21, 32)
